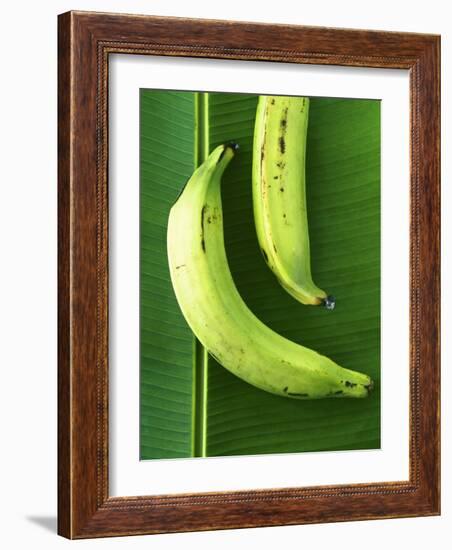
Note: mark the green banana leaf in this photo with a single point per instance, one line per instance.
(192, 406)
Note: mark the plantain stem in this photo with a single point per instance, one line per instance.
(201, 357)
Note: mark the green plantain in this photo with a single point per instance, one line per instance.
(218, 316)
(279, 195)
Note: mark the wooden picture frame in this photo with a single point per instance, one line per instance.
(86, 40)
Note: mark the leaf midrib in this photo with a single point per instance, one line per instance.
(200, 354)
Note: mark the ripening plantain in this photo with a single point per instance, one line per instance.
(218, 316)
(279, 195)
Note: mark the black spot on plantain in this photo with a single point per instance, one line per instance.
(298, 394)
(203, 211)
(281, 189)
(272, 101)
(274, 248)
(285, 389)
(282, 144)
(350, 384)
(338, 392)
(264, 254)
(283, 123)
(275, 177)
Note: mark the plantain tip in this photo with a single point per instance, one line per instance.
(369, 387)
(233, 145)
(329, 302)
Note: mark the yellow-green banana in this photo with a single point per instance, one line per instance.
(216, 312)
(279, 195)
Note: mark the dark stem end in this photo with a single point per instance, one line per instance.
(329, 302)
(233, 145)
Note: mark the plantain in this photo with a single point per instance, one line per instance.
(279, 195)
(218, 316)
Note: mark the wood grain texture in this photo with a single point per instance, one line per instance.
(85, 42)
(64, 295)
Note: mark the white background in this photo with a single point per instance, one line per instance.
(28, 272)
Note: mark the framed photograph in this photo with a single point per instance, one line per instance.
(248, 275)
